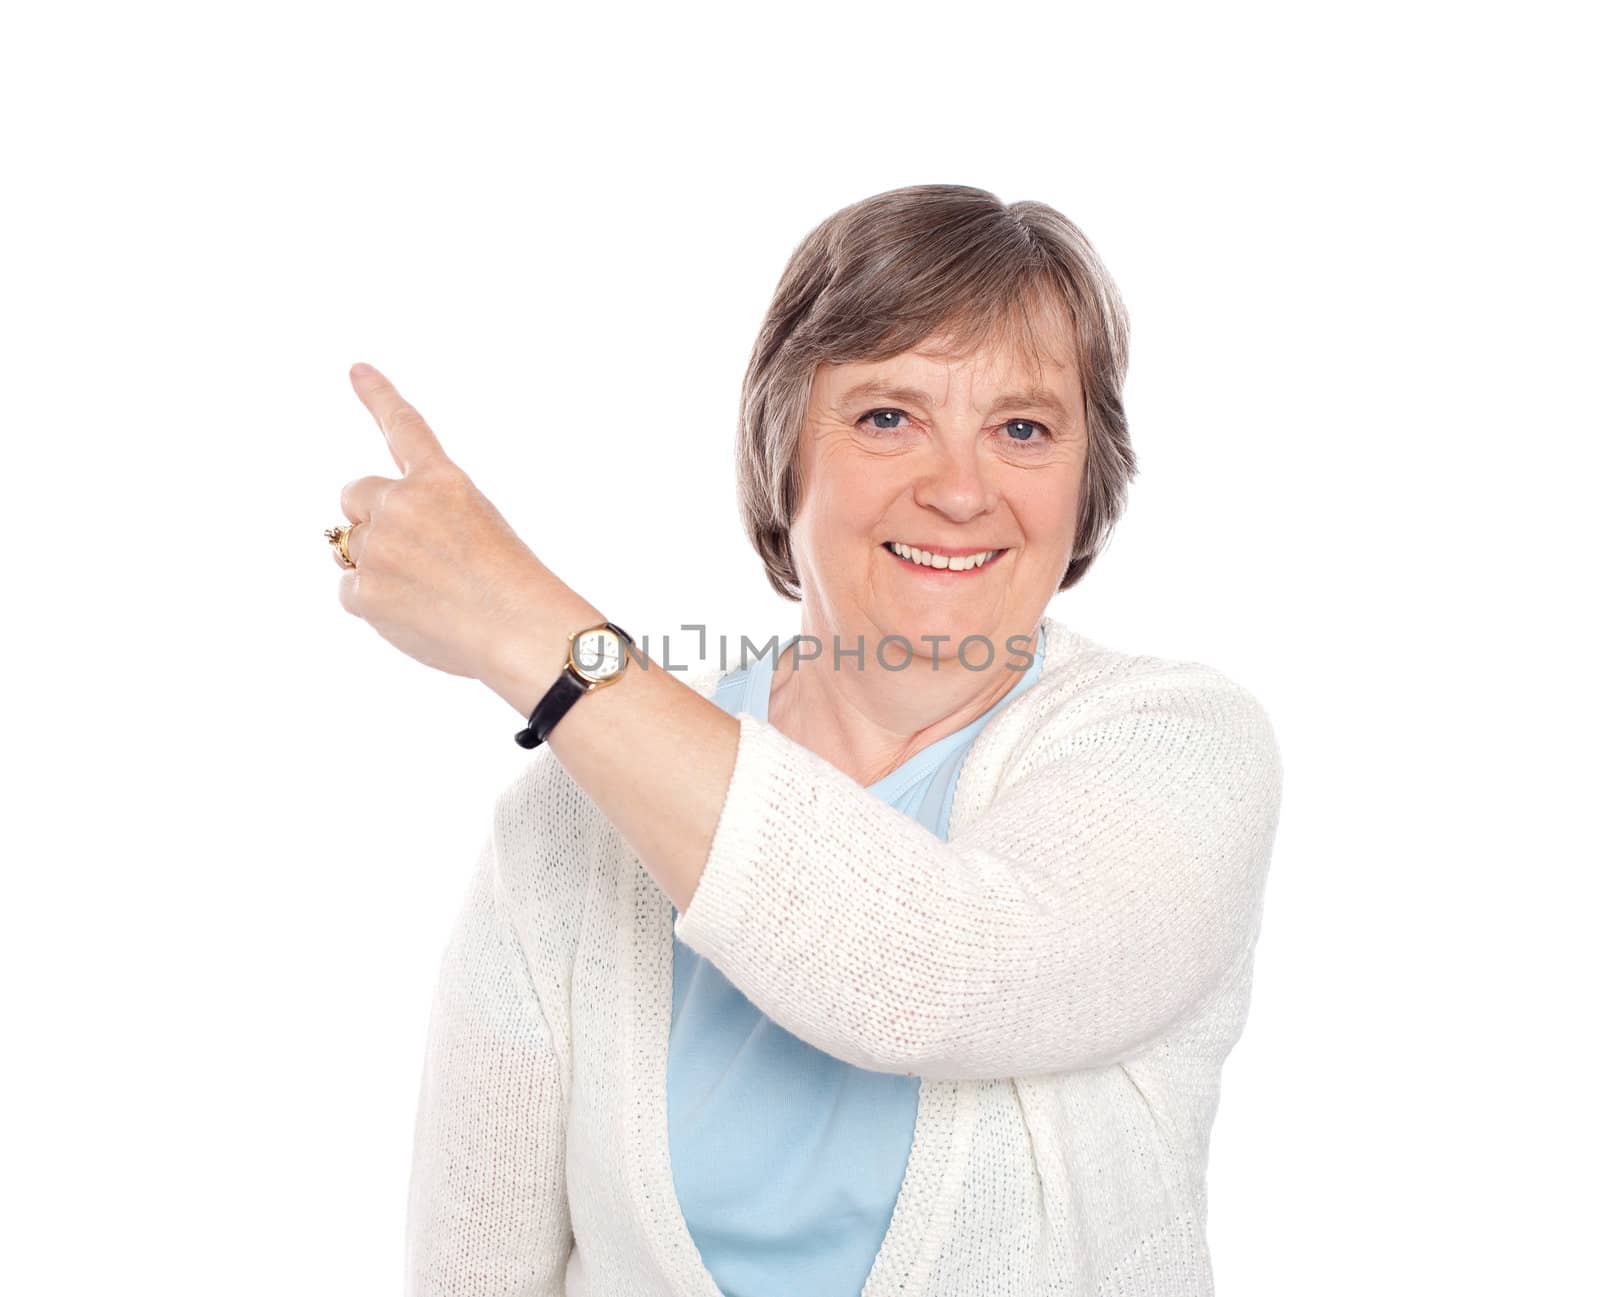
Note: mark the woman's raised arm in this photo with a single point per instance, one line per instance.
(1103, 896)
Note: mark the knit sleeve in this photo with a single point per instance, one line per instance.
(1115, 882)
(487, 1211)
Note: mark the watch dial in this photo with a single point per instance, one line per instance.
(598, 654)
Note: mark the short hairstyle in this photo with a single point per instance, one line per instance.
(883, 275)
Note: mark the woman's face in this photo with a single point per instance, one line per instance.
(969, 454)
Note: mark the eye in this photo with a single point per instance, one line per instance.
(875, 426)
(1027, 423)
(879, 427)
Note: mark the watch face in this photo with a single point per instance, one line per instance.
(597, 654)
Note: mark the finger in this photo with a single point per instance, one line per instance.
(360, 499)
(349, 585)
(411, 441)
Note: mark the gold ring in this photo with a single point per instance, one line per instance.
(339, 538)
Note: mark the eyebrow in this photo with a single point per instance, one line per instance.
(1036, 398)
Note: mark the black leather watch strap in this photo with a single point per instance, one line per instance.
(555, 704)
(559, 698)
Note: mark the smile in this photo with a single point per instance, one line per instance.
(950, 565)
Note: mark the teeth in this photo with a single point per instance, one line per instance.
(942, 560)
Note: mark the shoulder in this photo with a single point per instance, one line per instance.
(1184, 708)
(544, 837)
(550, 834)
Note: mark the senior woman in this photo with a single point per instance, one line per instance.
(905, 959)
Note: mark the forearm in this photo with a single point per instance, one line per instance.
(654, 755)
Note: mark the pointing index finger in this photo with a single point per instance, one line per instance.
(410, 439)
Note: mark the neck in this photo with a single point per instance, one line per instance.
(868, 720)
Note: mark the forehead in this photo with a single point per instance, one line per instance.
(1038, 370)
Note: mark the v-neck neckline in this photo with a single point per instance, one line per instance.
(942, 1134)
(758, 701)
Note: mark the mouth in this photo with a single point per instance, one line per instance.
(939, 565)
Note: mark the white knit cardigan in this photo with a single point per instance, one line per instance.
(1066, 973)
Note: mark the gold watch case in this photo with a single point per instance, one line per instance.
(597, 655)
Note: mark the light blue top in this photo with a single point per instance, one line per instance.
(786, 1161)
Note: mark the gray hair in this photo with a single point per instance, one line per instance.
(881, 276)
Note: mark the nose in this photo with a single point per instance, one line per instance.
(956, 481)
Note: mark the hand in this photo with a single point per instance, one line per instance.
(439, 573)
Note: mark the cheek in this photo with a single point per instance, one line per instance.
(848, 505)
(1047, 504)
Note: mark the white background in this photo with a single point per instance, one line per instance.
(1356, 244)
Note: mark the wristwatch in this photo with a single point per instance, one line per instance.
(596, 657)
